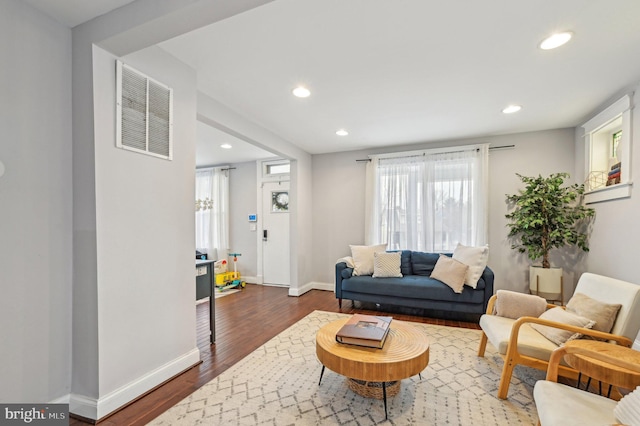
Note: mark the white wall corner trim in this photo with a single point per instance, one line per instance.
(299, 291)
(97, 409)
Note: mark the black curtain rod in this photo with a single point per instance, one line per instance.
(366, 160)
(228, 168)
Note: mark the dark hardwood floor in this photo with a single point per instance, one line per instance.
(245, 321)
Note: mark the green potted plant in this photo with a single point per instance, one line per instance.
(546, 215)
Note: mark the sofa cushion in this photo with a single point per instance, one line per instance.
(363, 258)
(411, 287)
(405, 262)
(476, 258)
(386, 265)
(451, 272)
(423, 263)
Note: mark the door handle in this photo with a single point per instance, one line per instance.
(264, 235)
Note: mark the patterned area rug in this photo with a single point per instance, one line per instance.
(277, 384)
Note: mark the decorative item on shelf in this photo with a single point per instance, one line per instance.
(206, 204)
(613, 177)
(547, 215)
(595, 180)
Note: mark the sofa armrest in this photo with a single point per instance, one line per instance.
(488, 277)
(341, 270)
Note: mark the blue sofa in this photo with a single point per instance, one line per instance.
(415, 289)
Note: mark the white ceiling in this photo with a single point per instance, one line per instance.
(75, 12)
(412, 71)
(210, 153)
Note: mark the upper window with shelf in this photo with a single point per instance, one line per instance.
(607, 159)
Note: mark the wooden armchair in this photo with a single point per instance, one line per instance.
(560, 404)
(519, 343)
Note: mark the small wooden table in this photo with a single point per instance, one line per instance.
(612, 364)
(405, 354)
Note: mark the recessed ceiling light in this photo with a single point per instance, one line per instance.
(511, 109)
(226, 146)
(342, 132)
(301, 92)
(556, 40)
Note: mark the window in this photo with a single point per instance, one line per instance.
(428, 201)
(212, 211)
(276, 169)
(607, 149)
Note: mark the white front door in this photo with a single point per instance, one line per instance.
(275, 233)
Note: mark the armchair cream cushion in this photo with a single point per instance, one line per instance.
(562, 405)
(511, 304)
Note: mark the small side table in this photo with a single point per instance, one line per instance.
(608, 363)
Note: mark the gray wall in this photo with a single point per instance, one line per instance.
(35, 206)
(338, 198)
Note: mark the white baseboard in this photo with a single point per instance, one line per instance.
(310, 286)
(96, 409)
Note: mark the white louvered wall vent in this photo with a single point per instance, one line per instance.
(144, 113)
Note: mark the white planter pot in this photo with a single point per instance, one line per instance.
(546, 282)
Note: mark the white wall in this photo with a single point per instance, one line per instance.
(338, 198)
(145, 237)
(35, 206)
(242, 202)
(614, 241)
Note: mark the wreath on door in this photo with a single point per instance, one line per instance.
(279, 201)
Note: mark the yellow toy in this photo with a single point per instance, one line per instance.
(227, 280)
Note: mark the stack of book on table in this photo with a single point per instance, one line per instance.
(365, 330)
(613, 177)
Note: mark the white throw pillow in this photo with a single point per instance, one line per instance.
(386, 265)
(475, 258)
(363, 258)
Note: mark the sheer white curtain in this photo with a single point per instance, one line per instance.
(212, 211)
(429, 200)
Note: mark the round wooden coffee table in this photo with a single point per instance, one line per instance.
(405, 354)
